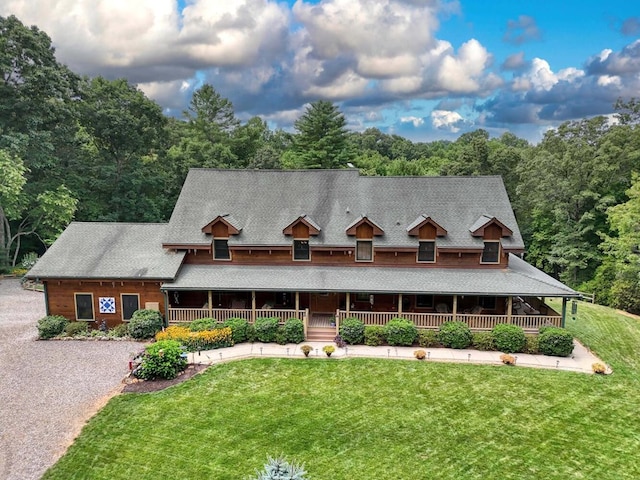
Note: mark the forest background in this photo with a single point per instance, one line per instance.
(93, 149)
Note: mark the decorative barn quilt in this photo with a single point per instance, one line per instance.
(107, 305)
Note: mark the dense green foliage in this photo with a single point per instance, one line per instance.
(454, 335)
(51, 326)
(294, 330)
(374, 335)
(352, 331)
(427, 338)
(162, 359)
(145, 324)
(239, 329)
(400, 332)
(483, 341)
(508, 338)
(202, 324)
(76, 328)
(267, 329)
(555, 341)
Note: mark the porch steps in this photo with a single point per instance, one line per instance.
(321, 334)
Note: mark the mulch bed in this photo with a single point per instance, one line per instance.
(134, 385)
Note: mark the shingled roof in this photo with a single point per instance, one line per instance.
(97, 250)
(263, 201)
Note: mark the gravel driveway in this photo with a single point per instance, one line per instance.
(48, 389)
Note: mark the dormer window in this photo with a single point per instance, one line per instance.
(491, 252)
(301, 250)
(427, 251)
(364, 250)
(221, 249)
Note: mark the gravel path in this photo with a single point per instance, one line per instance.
(48, 389)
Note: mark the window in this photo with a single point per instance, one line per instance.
(84, 306)
(424, 301)
(362, 297)
(130, 303)
(301, 250)
(427, 251)
(488, 302)
(221, 249)
(491, 252)
(364, 250)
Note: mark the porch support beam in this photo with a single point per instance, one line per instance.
(297, 302)
(166, 308)
(253, 306)
(509, 308)
(348, 303)
(210, 303)
(399, 303)
(455, 306)
(564, 310)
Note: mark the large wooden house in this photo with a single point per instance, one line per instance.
(317, 245)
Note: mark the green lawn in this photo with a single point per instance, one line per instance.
(380, 419)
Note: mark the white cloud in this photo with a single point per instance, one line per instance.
(416, 121)
(463, 73)
(446, 120)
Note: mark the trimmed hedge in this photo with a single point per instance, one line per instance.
(162, 359)
(51, 326)
(400, 331)
(145, 324)
(454, 335)
(266, 329)
(374, 335)
(532, 344)
(352, 331)
(294, 330)
(427, 338)
(509, 338)
(203, 324)
(483, 341)
(239, 329)
(555, 341)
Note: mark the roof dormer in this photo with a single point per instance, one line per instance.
(478, 229)
(422, 224)
(364, 220)
(305, 220)
(222, 226)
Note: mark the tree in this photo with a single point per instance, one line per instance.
(321, 139)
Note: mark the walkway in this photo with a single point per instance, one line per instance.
(580, 361)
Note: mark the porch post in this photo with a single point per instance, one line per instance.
(399, 304)
(253, 306)
(348, 304)
(297, 302)
(210, 300)
(564, 310)
(166, 308)
(509, 308)
(455, 306)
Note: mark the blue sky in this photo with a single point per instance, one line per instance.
(424, 69)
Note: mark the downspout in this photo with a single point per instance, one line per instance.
(166, 308)
(46, 298)
(564, 310)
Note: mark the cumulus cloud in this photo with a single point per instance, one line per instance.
(625, 62)
(522, 30)
(416, 121)
(514, 62)
(446, 120)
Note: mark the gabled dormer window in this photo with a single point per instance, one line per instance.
(221, 249)
(364, 250)
(491, 252)
(301, 250)
(427, 251)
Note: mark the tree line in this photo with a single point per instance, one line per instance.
(93, 149)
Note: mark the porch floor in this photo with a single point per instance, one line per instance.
(321, 320)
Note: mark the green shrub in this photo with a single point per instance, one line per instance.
(162, 359)
(454, 335)
(555, 341)
(531, 344)
(239, 329)
(544, 328)
(251, 333)
(279, 469)
(483, 341)
(352, 331)
(294, 330)
(374, 335)
(145, 324)
(76, 328)
(119, 331)
(29, 260)
(51, 326)
(266, 329)
(202, 324)
(427, 338)
(509, 338)
(281, 336)
(400, 331)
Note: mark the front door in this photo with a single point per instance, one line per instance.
(324, 302)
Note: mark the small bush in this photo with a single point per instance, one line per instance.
(508, 359)
(455, 335)
(281, 335)
(162, 359)
(294, 331)
(352, 331)
(251, 333)
(483, 341)
(339, 341)
(420, 354)
(239, 329)
(51, 326)
(509, 338)
(400, 331)
(556, 342)
(328, 349)
(76, 328)
(266, 329)
(29, 260)
(119, 331)
(374, 335)
(531, 344)
(427, 338)
(279, 469)
(145, 324)
(203, 324)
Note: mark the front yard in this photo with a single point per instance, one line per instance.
(377, 419)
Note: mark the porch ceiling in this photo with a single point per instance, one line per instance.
(519, 278)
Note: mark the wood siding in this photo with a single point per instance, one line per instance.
(60, 294)
(427, 232)
(300, 231)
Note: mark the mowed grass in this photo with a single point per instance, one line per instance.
(380, 419)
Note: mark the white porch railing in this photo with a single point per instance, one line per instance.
(177, 316)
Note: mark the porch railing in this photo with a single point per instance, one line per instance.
(177, 316)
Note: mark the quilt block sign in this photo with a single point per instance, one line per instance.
(107, 305)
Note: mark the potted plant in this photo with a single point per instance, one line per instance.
(328, 349)
(306, 349)
(508, 359)
(599, 368)
(420, 354)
